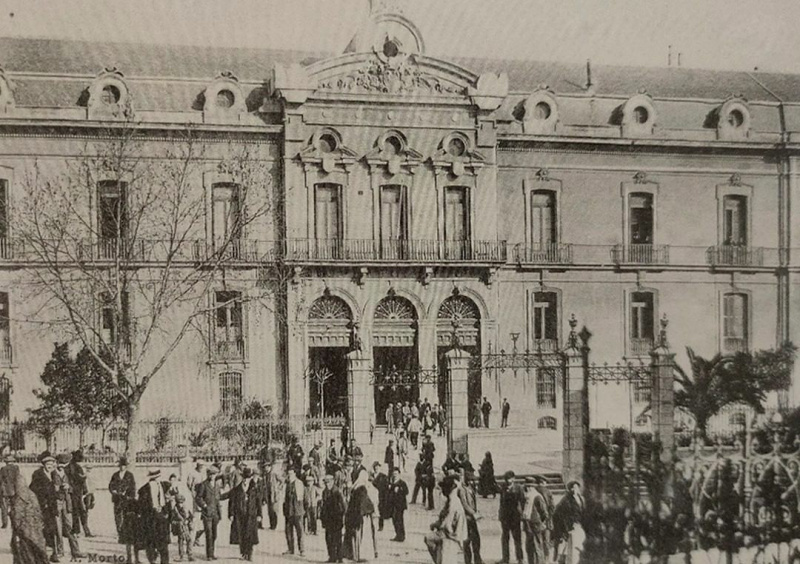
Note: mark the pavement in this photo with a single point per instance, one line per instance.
(104, 548)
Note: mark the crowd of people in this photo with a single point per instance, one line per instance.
(329, 488)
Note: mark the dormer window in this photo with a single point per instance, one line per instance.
(327, 143)
(110, 95)
(640, 114)
(392, 146)
(542, 111)
(736, 118)
(456, 147)
(225, 99)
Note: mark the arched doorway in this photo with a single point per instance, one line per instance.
(394, 353)
(329, 331)
(458, 315)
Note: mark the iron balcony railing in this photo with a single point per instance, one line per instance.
(229, 350)
(236, 250)
(732, 345)
(544, 253)
(401, 250)
(641, 347)
(732, 255)
(640, 254)
(545, 345)
(6, 354)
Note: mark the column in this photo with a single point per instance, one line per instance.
(457, 398)
(575, 420)
(427, 358)
(662, 366)
(360, 403)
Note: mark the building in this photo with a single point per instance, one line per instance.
(424, 197)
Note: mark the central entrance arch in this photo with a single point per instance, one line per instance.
(330, 321)
(459, 316)
(395, 353)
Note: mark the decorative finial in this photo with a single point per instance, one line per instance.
(735, 179)
(454, 340)
(640, 177)
(662, 334)
(572, 340)
(543, 174)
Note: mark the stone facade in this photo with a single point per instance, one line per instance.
(424, 197)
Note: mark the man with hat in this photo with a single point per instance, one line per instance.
(274, 493)
(44, 489)
(80, 489)
(64, 504)
(468, 498)
(534, 517)
(244, 510)
(155, 529)
(331, 516)
(5, 478)
(122, 487)
(208, 497)
(510, 516)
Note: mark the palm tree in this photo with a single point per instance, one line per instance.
(701, 391)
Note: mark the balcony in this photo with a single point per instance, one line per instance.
(545, 346)
(225, 351)
(111, 249)
(641, 347)
(6, 354)
(235, 250)
(640, 254)
(395, 251)
(734, 255)
(546, 253)
(733, 345)
(10, 249)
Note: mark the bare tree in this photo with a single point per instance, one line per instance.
(122, 253)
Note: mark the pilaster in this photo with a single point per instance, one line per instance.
(575, 403)
(360, 405)
(457, 399)
(662, 394)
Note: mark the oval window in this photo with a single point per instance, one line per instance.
(640, 114)
(456, 147)
(225, 99)
(735, 118)
(542, 111)
(110, 94)
(327, 143)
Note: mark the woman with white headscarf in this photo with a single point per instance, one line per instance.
(360, 516)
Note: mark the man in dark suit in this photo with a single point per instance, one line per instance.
(44, 488)
(398, 503)
(389, 456)
(506, 409)
(244, 510)
(154, 518)
(512, 501)
(80, 489)
(64, 504)
(332, 518)
(486, 409)
(9, 460)
(207, 501)
(122, 487)
(294, 511)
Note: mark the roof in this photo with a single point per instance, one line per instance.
(203, 63)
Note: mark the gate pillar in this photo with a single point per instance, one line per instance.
(576, 407)
(360, 404)
(457, 400)
(662, 397)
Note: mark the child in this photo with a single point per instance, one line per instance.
(310, 502)
(181, 522)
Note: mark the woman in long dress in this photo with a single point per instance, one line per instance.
(487, 485)
(27, 526)
(359, 536)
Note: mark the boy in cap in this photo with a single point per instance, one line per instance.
(181, 520)
(310, 501)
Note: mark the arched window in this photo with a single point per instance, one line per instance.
(547, 423)
(230, 391)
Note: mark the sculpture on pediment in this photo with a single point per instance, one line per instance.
(391, 77)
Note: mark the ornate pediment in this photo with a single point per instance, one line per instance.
(400, 75)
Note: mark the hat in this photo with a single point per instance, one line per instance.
(509, 475)
(179, 498)
(62, 459)
(212, 470)
(247, 472)
(46, 457)
(154, 473)
(9, 457)
(327, 478)
(77, 456)
(123, 461)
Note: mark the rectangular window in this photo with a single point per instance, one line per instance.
(230, 391)
(543, 219)
(114, 323)
(546, 388)
(394, 221)
(641, 218)
(734, 218)
(735, 322)
(226, 218)
(112, 210)
(5, 328)
(228, 330)
(3, 209)
(642, 390)
(456, 213)
(545, 320)
(328, 226)
(642, 315)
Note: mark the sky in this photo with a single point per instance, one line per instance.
(718, 34)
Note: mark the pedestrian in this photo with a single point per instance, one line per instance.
(182, 524)
(419, 480)
(547, 534)
(476, 413)
(28, 544)
(293, 512)
(344, 436)
(332, 461)
(274, 494)
(506, 409)
(510, 516)
(534, 517)
(64, 502)
(310, 502)
(424, 408)
(434, 418)
(429, 482)
(8, 460)
(449, 531)
(154, 514)
(414, 410)
(442, 420)
(332, 518)
(398, 503)
(130, 527)
(360, 515)
(207, 500)
(568, 533)
(406, 411)
(414, 428)
(294, 455)
(428, 448)
(355, 450)
(486, 409)
(390, 456)
(451, 463)
(380, 482)
(398, 416)
(402, 450)
(389, 418)
(466, 494)
(121, 487)
(244, 511)
(487, 485)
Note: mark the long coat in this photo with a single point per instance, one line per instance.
(244, 507)
(207, 499)
(44, 488)
(153, 524)
(381, 483)
(331, 513)
(122, 488)
(398, 497)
